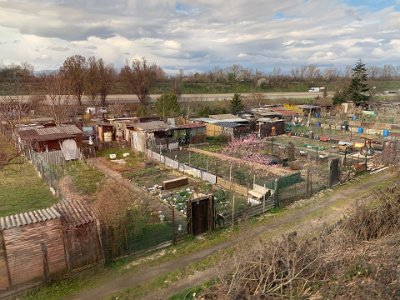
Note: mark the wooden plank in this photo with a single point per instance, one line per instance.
(174, 183)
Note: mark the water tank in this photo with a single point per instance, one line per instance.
(360, 130)
(385, 132)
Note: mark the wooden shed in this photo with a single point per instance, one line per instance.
(81, 235)
(32, 249)
(41, 139)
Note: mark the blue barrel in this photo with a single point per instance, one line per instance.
(317, 115)
(360, 130)
(385, 132)
(318, 124)
(354, 118)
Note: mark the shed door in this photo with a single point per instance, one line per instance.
(200, 216)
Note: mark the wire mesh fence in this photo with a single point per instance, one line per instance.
(50, 172)
(133, 235)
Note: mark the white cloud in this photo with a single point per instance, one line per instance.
(198, 34)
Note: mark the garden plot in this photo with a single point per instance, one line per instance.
(151, 175)
(222, 197)
(240, 173)
(121, 159)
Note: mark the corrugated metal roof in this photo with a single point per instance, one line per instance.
(74, 213)
(222, 116)
(27, 218)
(190, 125)
(153, 126)
(62, 129)
(229, 124)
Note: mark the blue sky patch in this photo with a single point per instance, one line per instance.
(279, 16)
(373, 5)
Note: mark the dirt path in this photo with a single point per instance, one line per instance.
(154, 203)
(304, 219)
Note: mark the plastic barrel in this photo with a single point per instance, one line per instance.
(360, 130)
(318, 124)
(385, 132)
(354, 118)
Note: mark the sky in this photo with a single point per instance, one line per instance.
(199, 35)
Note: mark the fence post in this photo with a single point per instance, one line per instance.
(233, 209)
(230, 177)
(173, 226)
(276, 193)
(264, 201)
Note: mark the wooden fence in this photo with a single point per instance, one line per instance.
(237, 188)
(249, 212)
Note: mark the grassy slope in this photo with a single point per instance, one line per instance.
(21, 189)
(85, 179)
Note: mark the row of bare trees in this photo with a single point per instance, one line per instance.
(299, 73)
(91, 76)
(85, 76)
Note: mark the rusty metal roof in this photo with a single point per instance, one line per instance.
(74, 213)
(27, 218)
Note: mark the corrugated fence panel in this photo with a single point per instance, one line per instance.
(211, 178)
(171, 163)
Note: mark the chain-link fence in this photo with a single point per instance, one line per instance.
(51, 173)
(135, 234)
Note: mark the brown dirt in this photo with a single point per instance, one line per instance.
(305, 220)
(68, 192)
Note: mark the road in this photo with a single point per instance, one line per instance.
(306, 219)
(216, 97)
(130, 98)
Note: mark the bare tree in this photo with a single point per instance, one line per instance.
(92, 77)
(106, 79)
(140, 76)
(74, 69)
(13, 109)
(58, 91)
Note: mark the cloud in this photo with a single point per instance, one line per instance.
(201, 34)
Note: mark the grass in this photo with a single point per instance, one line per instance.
(6, 148)
(21, 189)
(132, 161)
(165, 280)
(85, 179)
(193, 292)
